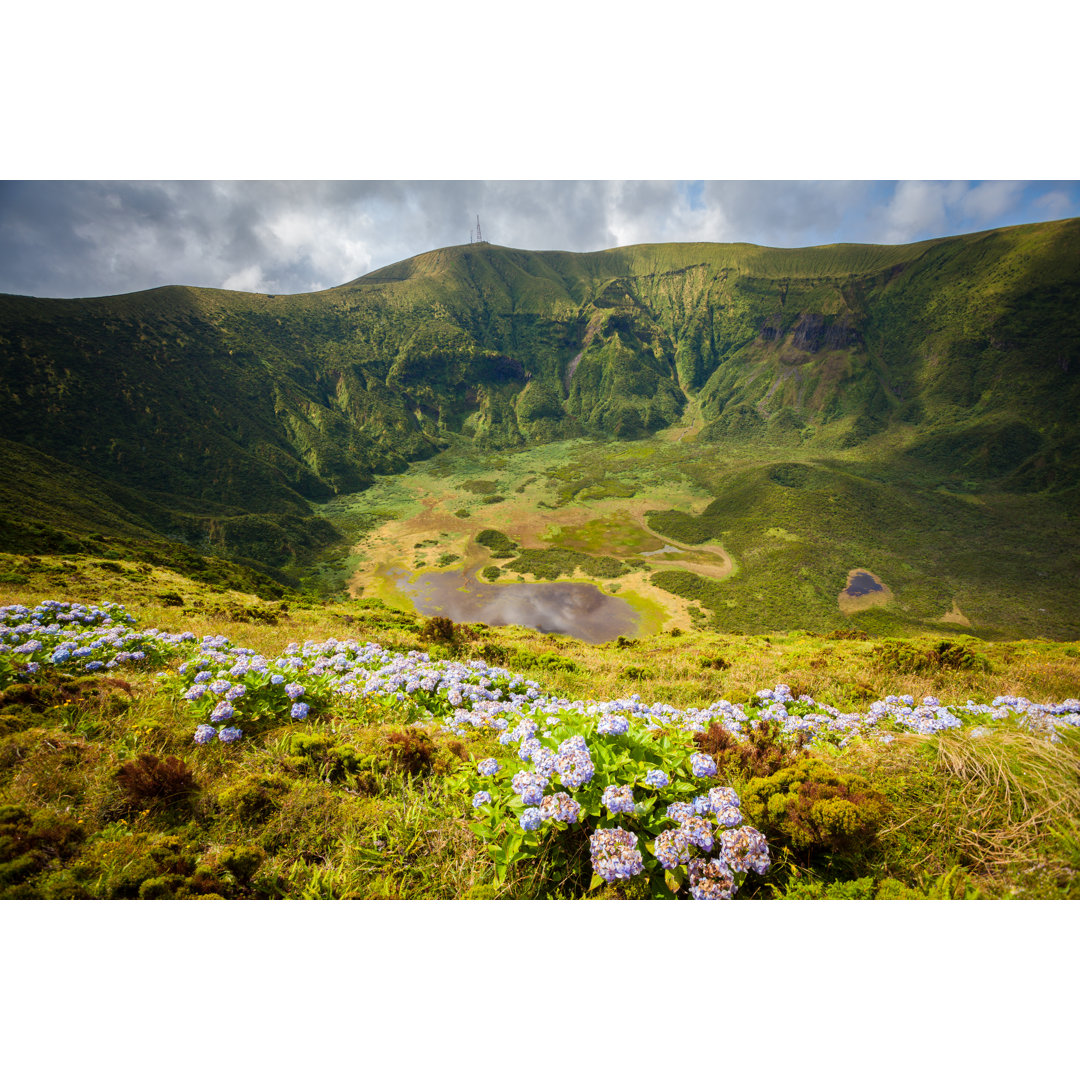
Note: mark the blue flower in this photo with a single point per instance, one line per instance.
(230, 734)
(657, 778)
(530, 787)
(711, 879)
(480, 798)
(618, 800)
(745, 849)
(299, 710)
(561, 807)
(531, 819)
(204, 733)
(613, 725)
(222, 711)
(671, 847)
(574, 767)
(615, 854)
(488, 767)
(702, 765)
(295, 690)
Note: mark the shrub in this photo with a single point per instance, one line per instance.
(763, 751)
(150, 780)
(812, 808)
(438, 629)
(913, 658)
(412, 750)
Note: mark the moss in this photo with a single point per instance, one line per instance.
(254, 798)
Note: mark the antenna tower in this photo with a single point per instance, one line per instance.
(479, 234)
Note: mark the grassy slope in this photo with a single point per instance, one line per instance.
(992, 817)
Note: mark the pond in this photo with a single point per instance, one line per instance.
(861, 582)
(582, 611)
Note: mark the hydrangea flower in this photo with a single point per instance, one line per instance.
(574, 767)
(671, 847)
(698, 832)
(711, 879)
(230, 734)
(531, 819)
(618, 800)
(561, 807)
(530, 787)
(299, 710)
(222, 711)
(657, 778)
(480, 798)
(615, 854)
(680, 812)
(543, 762)
(204, 733)
(702, 765)
(613, 725)
(729, 816)
(488, 767)
(745, 849)
(294, 690)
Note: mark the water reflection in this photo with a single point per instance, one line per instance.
(582, 611)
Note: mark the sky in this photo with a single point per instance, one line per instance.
(90, 238)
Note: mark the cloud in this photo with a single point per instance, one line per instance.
(1053, 205)
(77, 238)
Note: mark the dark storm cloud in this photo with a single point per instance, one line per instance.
(74, 238)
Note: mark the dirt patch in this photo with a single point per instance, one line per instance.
(955, 615)
(864, 589)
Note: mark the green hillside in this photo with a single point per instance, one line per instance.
(199, 419)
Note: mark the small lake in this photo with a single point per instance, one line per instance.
(861, 583)
(582, 611)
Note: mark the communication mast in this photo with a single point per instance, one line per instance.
(479, 234)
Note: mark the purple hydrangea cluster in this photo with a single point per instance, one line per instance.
(573, 764)
(531, 819)
(702, 765)
(561, 807)
(615, 854)
(618, 800)
(230, 734)
(711, 879)
(698, 832)
(671, 847)
(530, 787)
(745, 849)
(657, 778)
(724, 803)
(480, 799)
(488, 767)
(205, 733)
(613, 725)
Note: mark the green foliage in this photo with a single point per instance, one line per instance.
(499, 544)
(555, 562)
(811, 808)
(915, 657)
